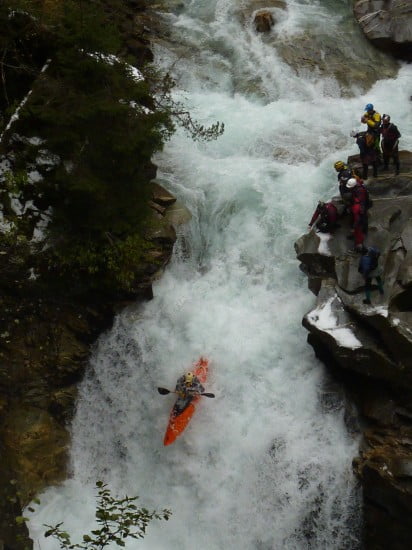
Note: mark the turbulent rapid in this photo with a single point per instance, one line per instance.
(266, 465)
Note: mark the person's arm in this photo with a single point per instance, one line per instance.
(180, 387)
(196, 387)
(314, 217)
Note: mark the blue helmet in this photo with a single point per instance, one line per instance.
(369, 107)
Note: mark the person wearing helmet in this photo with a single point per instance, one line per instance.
(188, 385)
(389, 144)
(360, 202)
(324, 217)
(344, 174)
(373, 121)
(367, 152)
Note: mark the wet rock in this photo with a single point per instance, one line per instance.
(369, 347)
(161, 196)
(38, 446)
(388, 24)
(263, 21)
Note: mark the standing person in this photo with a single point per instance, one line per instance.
(373, 121)
(368, 267)
(390, 141)
(359, 205)
(367, 152)
(344, 174)
(325, 217)
(188, 385)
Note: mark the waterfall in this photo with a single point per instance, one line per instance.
(266, 465)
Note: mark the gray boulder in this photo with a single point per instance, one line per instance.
(388, 24)
(369, 347)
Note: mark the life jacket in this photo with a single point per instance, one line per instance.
(331, 213)
(374, 253)
(373, 121)
(361, 196)
(344, 176)
(369, 261)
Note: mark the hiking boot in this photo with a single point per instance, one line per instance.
(367, 301)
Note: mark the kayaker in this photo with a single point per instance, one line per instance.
(325, 217)
(188, 385)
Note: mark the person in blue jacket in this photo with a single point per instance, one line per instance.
(368, 267)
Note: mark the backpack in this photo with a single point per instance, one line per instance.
(374, 253)
(369, 139)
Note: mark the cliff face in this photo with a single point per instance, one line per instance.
(369, 347)
(388, 24)
(46, 334)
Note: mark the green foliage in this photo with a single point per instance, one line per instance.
(112, 263)
(117, 520)
(102, 126)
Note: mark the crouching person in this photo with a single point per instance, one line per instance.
(325, 217)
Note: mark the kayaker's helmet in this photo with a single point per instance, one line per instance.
(351, 183)
(369, 107)
(189, 378)
(339, 165)
(386, 119)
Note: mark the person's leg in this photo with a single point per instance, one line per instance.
(396, 162)
(367, 299)
(380, 284)
(365, 171)
(386, 158)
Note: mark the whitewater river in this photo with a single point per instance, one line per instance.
(266, 465)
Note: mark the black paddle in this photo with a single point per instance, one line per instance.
(164, 391)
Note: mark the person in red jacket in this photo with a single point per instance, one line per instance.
(325, 217)
(359, 210)
(390, 140)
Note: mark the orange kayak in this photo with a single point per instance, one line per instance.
(179, 418)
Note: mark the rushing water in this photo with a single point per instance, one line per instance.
(267, 464)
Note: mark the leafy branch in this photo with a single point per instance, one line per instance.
(163, 100)
(118, 519)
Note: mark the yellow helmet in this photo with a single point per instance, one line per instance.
(189, 378)
(339, 165)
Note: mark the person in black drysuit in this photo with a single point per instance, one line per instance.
(389, 144)
(368, 267)
(187, 387)
(344, 175)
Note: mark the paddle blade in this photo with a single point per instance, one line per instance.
(207, 394)
(163, 391)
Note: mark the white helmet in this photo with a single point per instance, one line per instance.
(351, 183)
